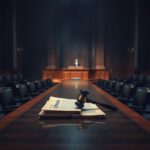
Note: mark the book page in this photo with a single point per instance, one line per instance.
(92, 112)
(89, 106)
(60, 104)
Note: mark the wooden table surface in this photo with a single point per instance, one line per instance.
(121, 130)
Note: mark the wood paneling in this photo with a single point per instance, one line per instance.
(84, 74)
(54, 33)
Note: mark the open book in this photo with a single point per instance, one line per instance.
(56, 107)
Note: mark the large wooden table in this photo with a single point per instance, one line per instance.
(121, 130)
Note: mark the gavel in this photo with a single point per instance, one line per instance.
(83, 97)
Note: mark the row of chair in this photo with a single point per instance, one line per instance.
(138, 79)
(15, 93)
(133, 95)
(7, 79)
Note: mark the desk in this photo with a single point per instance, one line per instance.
(121, 130)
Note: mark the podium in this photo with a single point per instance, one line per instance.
(76, 72)
(75, 67)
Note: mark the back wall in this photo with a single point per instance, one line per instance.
(52, 33)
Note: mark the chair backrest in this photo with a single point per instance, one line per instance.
(127, 90)
(141, 78)
(100, 82)
(105, 84)
(2, 80)
(14, 77)
(134, 77)
(118, 87)
(22, 90)
(31, 86)
(7, 78)
(20, 77)
(44, 84)
(49, 82)
(6, 97)
(147, 80)
(111, 84)
(38, 84)
(141, 97)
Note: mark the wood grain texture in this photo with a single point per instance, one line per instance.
(145, 124)
(84, 74)
(117, 131)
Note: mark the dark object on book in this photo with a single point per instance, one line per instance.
(83, 97)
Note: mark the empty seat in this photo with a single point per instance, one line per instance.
(39, 86)
(49, 83)
(134, 78)
(140, 100)
(44, 84)
(147, 81)
(141, 78)
(32, 88)
(105, 84)
(7, 100)
(126, 93)
(140, 81)
(117, 89)
(20, 76)
(2, 81)
(22, 93)
(100, 83)
(8, 79)
(111, 85)
(15, 77)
